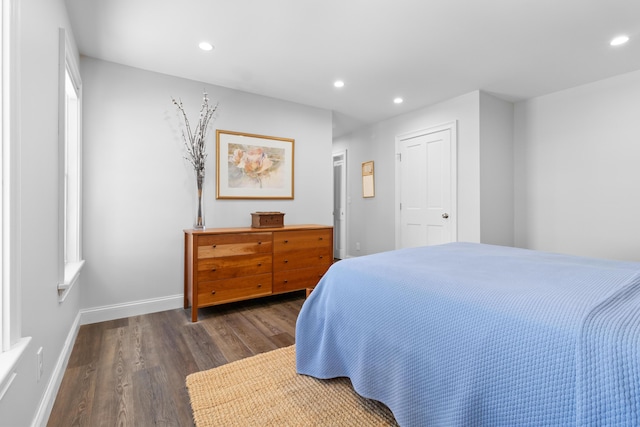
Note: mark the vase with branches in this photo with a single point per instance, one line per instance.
(195, 143)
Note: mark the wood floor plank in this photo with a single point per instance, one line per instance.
(250, 336)
(86, 346)
(149, 332)
(74, 409)
(136, 341)
(117, 323)
(277, 320)
(205, 351)
(286, 314)
(173, 352)
(132, 371)
(230, 345)
(114, 405)
(259, 320)
(269, 320)
(151, 399)
(283, 340)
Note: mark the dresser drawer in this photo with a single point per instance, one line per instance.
(301, 240)
(236, 289)
(301, 278)
(233, 266)
(221, 245)
(295, 259)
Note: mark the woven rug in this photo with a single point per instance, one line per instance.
(265, 390)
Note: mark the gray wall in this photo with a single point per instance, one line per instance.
(42, 317)
(496, 171)
(139, 192)
(577, 174)
(556, 173)
(484, 140)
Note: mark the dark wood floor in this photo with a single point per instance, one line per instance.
(131, 372)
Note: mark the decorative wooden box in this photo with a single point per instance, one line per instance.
(267, 219)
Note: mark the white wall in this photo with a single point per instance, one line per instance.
(139, 191)
(371, 222)
(496, 171)
(577, 170)
(43, 318)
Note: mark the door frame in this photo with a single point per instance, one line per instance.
(453, 215)
(337, 155)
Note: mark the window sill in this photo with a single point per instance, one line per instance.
(8, 361)
(71, 274)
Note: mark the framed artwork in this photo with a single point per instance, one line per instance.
(368, 189)
(253, 166)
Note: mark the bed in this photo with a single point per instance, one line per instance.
(467, 334)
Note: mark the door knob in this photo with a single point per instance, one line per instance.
(445, 215)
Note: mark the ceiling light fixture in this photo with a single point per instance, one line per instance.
(205, 46)
(338, 83)
(619, 40)
(398, 100)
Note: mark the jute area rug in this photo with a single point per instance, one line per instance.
(265, 390)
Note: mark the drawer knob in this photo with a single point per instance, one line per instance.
(259, 243)
(259, 285)
(320, 238)
(286, 261)
(214, 246)
(286, 281)
(213, 269)
(286, 241)
(259, 264)
(321, 257)
(213, 292)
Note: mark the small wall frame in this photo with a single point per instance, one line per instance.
(368, 182)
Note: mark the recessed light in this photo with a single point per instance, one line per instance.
(338, 83)
(205, 46)
(619, 40)
(398, 100)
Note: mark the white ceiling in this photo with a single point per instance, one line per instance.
(425, 51)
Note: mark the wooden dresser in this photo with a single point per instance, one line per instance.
(223, 265)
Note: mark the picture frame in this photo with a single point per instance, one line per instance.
(368, 184)
(250, 166)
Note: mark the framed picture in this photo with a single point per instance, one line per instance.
(368, 189)
(253, 166)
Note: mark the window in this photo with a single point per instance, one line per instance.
(12, 344)
(70, 179)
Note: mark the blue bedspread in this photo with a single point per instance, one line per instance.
(467, 334)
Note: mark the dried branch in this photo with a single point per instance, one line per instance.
(195, 142)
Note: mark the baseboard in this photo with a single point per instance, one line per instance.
(49, 397)
(135, 308)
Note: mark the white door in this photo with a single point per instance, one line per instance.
(426, 187)
(339, 204)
